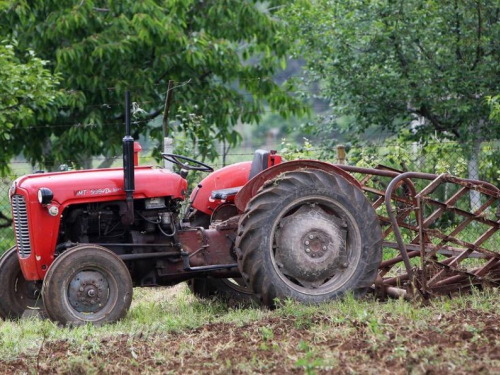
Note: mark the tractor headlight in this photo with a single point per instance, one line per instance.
(45, 195)
(13, 189)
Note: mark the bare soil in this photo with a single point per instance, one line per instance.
(459, 342)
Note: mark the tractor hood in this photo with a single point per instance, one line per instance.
(101, 185)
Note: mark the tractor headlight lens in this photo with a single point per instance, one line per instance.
(13, 189)
(45, 195)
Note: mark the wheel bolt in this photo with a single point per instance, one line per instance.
(307, 242)
(308, 250)
(344, 265)
(314, 255)
(81, 289)
(324, 247)
(311, 236)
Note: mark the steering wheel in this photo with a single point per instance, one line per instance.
(177, 159)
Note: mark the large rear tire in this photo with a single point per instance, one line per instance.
(87, 284)
(310, 236)
(16, 293)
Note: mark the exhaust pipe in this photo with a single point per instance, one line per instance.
(128, 165)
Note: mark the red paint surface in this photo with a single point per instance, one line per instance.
(78, 187)
(231, 176)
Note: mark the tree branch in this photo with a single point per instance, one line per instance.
(479, 50)
(457, 32)
(438, 125)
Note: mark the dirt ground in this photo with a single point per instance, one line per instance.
(466, 341)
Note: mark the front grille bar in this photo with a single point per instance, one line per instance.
(20, 217)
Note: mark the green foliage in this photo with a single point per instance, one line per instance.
(387, 63)
(28, 94)
(494, 103)
(293, 151)
(220, 53)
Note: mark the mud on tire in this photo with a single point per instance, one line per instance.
(87, 284)
(310, 236)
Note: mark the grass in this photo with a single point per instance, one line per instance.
(167, 329)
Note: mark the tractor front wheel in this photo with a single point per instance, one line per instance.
(87, 284)
(16, 293)
(310, 236)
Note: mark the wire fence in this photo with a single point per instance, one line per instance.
(479, 162)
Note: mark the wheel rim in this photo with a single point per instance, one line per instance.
(237, 285)
(91, 293)
(26, 293)
(315, 247)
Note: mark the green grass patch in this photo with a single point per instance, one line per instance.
(168, 329)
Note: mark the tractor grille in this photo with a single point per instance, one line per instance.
(20, 216)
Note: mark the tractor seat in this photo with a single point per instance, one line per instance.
(259, 163)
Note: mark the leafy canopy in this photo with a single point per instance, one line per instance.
(28, 92)
(386, 63)
(221, 53)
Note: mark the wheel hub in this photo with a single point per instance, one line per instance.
(315, 243)
(311, 246)
(88, 291)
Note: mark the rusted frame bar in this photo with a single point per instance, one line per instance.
(445, 250)
(407, 176)
(463, 213)
(382, 194)
(481, 186)
(458, 279)
(439, 212)
(451, 263)
(466, 244)
(482, 271)
(460, 227)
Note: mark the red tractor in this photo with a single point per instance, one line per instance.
(265, 230)
(84, 239)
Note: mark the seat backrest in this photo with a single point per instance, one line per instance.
(259, 163)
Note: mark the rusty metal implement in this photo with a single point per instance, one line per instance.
(437, 239)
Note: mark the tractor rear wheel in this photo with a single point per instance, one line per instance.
(87, 284)
(16, 293)
(310, 236)
(232, 291)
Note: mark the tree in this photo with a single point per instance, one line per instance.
(221, 53)
(388, 63)
(28, 94)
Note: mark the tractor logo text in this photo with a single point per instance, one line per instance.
(98, 191)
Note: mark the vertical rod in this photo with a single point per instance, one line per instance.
(341, 154)
(128, 164)
(168, 102)
(127, 113)
(420, 220)
(167, 141)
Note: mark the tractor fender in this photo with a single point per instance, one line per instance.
(251, 188)
(232, 176)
